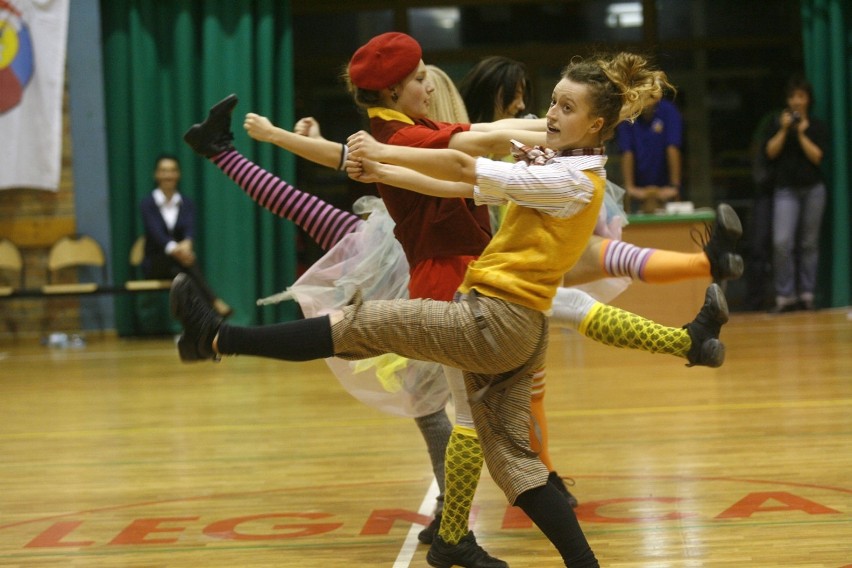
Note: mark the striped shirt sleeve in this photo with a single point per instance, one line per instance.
(560, 188)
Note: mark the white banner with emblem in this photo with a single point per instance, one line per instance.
(33, 42)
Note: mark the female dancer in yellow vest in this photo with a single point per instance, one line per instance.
(553, 211)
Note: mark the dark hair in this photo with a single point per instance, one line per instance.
(486, 80)
(798, 82)
(166, 156)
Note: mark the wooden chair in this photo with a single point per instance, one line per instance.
(137, 254)
(77, 251)
(76, 266)
(11, 263)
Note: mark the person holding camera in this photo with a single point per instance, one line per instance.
(795, 147)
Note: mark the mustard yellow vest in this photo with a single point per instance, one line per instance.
(525, 261)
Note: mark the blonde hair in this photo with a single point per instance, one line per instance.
(620, 86)
(446, 101)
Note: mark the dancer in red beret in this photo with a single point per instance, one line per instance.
(388, 79)
(439, 237)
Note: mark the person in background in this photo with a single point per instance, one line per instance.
(795, 147)
(446, 104)
(495, 88)
(168, 218)
(651, 156)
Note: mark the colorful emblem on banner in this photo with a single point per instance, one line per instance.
(16, 56)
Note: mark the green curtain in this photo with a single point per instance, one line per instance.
(165, 63)
(827, 38)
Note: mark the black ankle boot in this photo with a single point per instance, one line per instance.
(704, 330)
(200, 321)
(213, 136)
(720, 245)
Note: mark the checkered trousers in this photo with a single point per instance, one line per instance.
(447, 333)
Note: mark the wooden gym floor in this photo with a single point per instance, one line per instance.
(119, 455)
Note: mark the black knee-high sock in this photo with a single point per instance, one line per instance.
(550, 511)
(302, 340)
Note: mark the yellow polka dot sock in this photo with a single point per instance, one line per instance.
(462, 470)
(619, 328)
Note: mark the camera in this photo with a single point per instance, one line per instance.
(795, 117)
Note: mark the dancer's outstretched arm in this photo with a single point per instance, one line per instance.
(442, 164)
(307, 144)
(532, 125)
(368, 171)
(306, 141)
(494, 138)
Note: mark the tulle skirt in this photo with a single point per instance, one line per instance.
(370, 260)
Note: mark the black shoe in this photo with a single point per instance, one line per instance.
(559, 483)
(704, 330)
(427, 535)
(200, 321)
(466, 553)
(214, 135)
(720, 243)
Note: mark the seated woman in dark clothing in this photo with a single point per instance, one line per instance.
(169, 220)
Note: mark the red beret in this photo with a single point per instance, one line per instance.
(384, 61)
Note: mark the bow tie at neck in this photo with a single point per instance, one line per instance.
(539, 155)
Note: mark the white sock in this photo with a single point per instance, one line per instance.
(570, 307)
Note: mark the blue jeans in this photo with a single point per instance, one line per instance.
(796, 226)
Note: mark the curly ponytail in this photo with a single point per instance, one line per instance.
(620, 86)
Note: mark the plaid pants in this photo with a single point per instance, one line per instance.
(448, 333)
